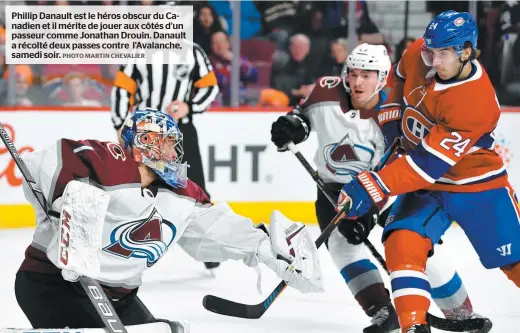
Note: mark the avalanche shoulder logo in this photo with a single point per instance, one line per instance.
(145, 239)
(347, 158)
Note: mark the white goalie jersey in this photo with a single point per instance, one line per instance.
(140, 225)
(349, 141)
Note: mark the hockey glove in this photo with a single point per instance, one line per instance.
(389, 117)
(356, 232)
(291, 253)
(362, 194)
(291, 127)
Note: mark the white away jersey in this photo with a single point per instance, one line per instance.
(140, 225)
(331, 117)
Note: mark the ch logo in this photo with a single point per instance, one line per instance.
(415, 125)
(505, 250)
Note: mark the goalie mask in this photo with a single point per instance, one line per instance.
(156, 141)
(369, 58)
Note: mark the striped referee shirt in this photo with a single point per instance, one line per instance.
(139, 86)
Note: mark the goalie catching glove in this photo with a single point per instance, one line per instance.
(291, 253)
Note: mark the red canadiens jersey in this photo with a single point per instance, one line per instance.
(448, 128)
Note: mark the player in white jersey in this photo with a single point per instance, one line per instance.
(152, 205)
(346, 108)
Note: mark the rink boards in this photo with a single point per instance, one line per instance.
(241, 164)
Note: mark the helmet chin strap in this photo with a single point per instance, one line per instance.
(369, 98)
(463, 63)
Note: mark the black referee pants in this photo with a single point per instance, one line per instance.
(49, 301)
(192, 154)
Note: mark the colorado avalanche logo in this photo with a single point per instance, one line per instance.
(146, 239)
(347, 158)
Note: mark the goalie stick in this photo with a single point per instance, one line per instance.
(229, 308)
(92, 288)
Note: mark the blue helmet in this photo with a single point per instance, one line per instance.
(451, 28)
(156, 141)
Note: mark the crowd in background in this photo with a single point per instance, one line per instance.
(285, 47)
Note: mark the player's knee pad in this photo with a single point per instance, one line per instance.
(512, 272)
(342, 252)
(406, 248)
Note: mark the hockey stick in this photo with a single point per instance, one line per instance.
(229, 308)
(323, 188)
(255, 311)
(437, 322)
(92, 288)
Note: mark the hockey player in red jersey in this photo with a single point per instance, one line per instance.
(450, 170)
(151, 206)
(349, 105)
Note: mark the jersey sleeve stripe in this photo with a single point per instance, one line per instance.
(403, 175)
(399, 75)
(77, 150)
(437, 153)
(486, 141)
(477, 179)
(429, 163)
(381, 183)
(418, 170)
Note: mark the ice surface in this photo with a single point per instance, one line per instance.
(175, 286)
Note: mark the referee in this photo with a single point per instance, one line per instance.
(181, 90)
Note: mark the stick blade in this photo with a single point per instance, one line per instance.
(456, 325)
(229, 308)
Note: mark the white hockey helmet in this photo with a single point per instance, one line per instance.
(371, 58)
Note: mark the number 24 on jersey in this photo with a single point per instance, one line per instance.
(456, 143)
